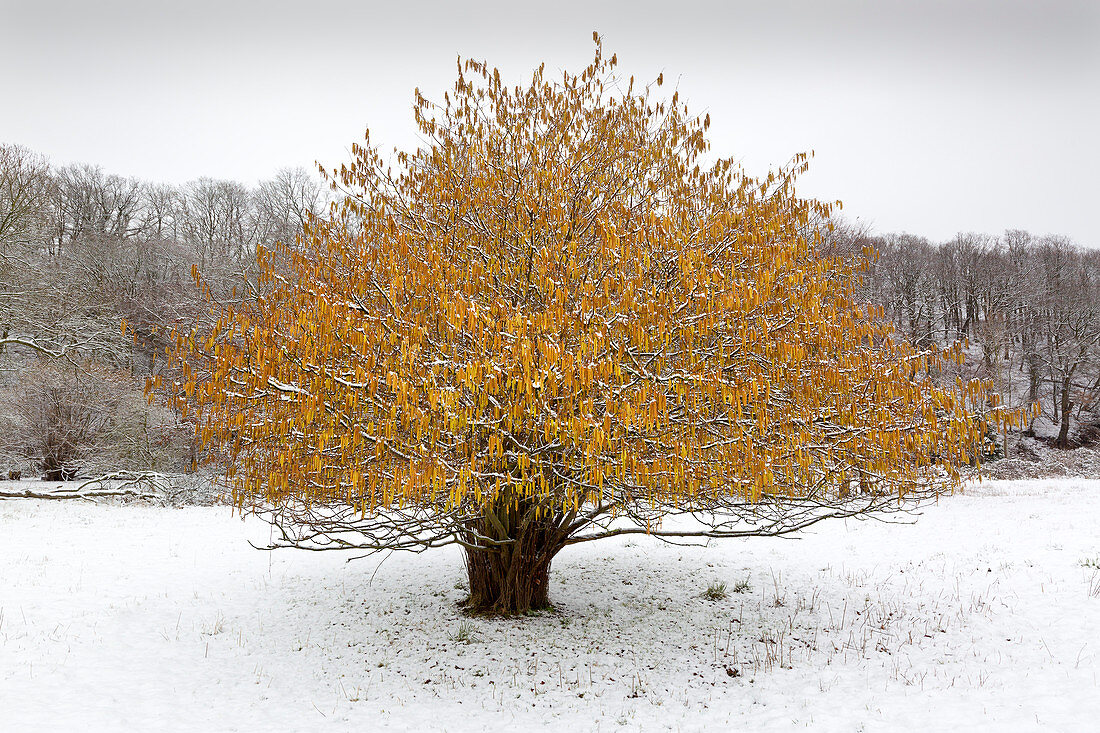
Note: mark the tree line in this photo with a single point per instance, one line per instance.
(82, 251)
(1026, 310)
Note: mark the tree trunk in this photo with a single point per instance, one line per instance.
(499, 586)
(1033, 378)
(55, 459)
(1063, 431)
(512, 578)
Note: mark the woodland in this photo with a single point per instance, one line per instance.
(82, 250)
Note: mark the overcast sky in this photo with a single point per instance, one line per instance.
(929, 117)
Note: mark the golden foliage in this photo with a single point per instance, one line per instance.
(557, 299)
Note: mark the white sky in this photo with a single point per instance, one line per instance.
(932, 117)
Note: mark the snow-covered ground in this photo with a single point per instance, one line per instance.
(984, 615)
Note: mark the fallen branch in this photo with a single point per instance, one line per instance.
(128, 484)
(73, 494)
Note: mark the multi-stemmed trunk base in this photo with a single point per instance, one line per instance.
(512, 577)
(499, 587)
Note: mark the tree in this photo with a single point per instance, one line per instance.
(24, 193)
(905, 263)
(1068, 285)
(555, 323)
(285, 203)
(216, 222)
(25, 189)
(84, 419)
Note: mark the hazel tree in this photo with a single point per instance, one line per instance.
(560, 320)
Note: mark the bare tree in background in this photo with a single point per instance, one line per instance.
(25, 185)
(83, 420)
(906, 285)
(283, 204)
(1071, 324)
(216, 223)
(24, 191)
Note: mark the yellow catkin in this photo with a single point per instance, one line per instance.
(526, 309)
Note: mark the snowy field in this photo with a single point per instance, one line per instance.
(984, 615)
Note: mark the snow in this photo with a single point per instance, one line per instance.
(983, 615)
